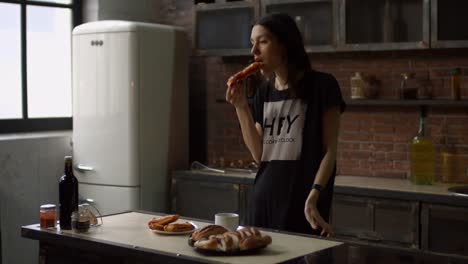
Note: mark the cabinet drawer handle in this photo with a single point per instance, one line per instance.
(222, 186)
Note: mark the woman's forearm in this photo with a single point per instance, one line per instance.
(326, 168)
(250, 134)
(331, 125)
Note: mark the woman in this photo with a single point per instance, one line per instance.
(291, 130)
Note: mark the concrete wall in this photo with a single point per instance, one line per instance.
(30, 168)
(134, 10)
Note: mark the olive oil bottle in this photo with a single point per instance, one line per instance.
(422, 155)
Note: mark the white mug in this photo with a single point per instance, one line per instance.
(228, 220)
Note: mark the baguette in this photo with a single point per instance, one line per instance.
(155, 226)
(160, 222)
(167, 219)
(178, 227)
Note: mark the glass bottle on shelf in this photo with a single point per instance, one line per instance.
(422, 153)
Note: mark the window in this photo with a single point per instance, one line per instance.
(35, 64)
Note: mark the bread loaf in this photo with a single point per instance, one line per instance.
(253, 242)
(247, 238)
(207, 231)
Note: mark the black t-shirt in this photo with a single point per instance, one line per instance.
(292, 151)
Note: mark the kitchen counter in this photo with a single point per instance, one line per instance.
(125, 238)
(354, 185)
(129, 231)
(398, 189)
(212, 176)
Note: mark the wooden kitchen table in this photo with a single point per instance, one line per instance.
(126, 238)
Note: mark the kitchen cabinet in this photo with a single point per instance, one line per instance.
(223, 28)
(368, 210)
(444, 228)
(376, 220)
(203, 199)
(448, 20)
(402, 223)
(316, 19)
(384, 25)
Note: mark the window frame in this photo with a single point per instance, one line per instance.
(26, 124)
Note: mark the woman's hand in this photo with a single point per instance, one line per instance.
(313, 216)
(235, 95)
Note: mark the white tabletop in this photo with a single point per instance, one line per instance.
(131, 229)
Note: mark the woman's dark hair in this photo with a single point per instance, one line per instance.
(284, 28)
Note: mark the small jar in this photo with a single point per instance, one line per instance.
(359, 86)
(80, 220)
(48, 215)
(409, 87)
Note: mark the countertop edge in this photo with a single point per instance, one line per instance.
(402, 195)
(238, 178)
(33, 232)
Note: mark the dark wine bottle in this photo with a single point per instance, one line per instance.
(68, 194)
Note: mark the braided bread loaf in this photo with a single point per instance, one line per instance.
(231, 241)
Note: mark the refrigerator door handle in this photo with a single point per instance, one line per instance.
(83, 168)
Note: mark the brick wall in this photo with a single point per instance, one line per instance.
(373, 141)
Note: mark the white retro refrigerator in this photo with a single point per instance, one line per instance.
(130, 113)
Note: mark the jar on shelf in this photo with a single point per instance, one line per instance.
(409, 87)
(359, 86)
(449, 166)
